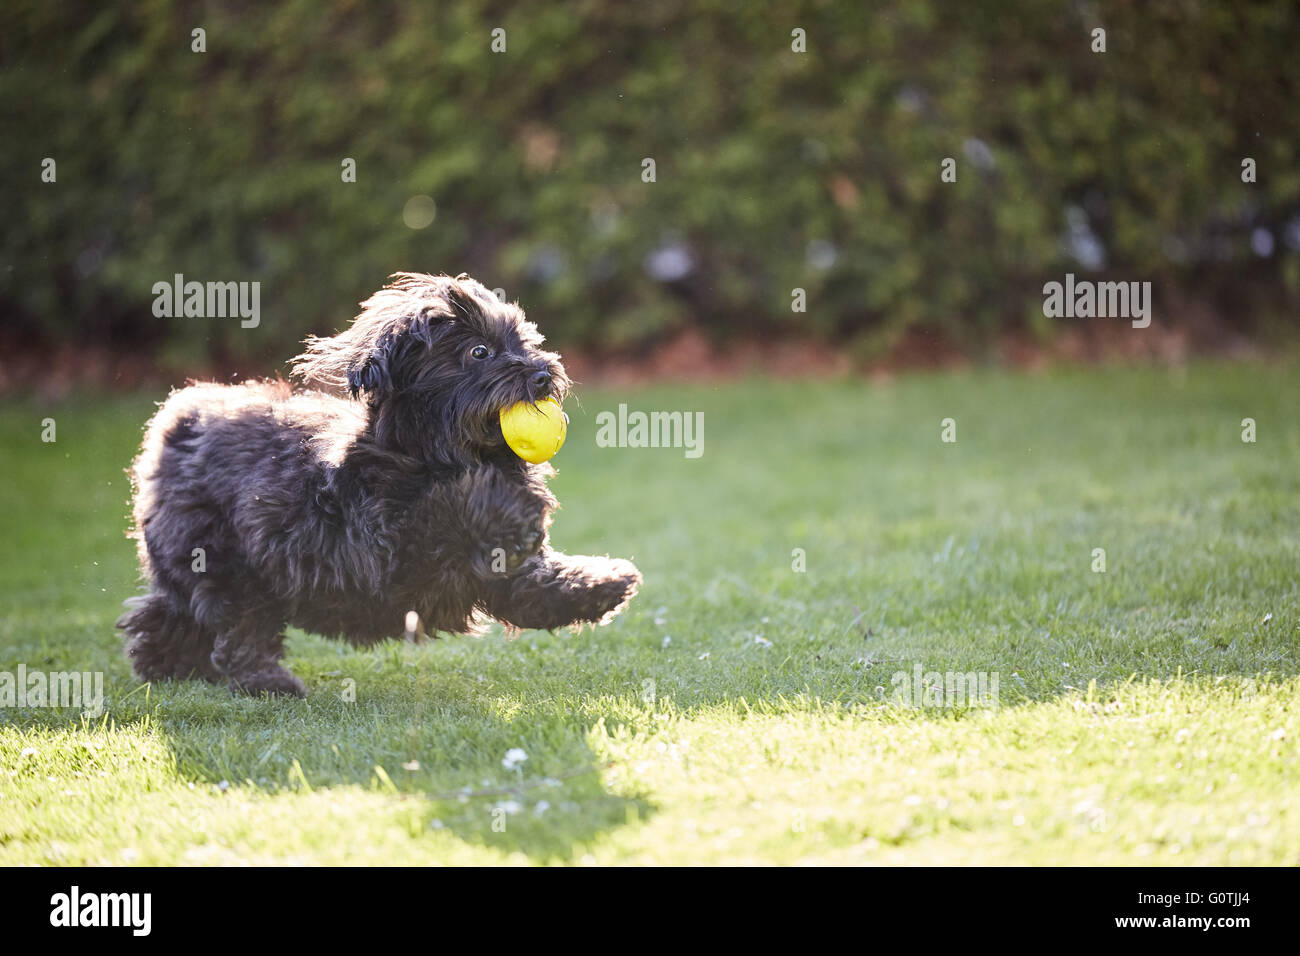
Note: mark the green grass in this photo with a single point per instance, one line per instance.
(1147, 714)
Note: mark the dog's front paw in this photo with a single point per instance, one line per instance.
(613, 590)
(559, 590)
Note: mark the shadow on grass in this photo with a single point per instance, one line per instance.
(513, 776)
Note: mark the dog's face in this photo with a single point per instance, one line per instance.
(437, 359)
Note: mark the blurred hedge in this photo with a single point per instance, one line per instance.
(775, 169)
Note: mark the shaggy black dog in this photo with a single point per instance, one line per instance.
(383, 487)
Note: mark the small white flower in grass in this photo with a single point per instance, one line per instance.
(514, 758)
(223, 786)
(704, 656)
(411, 765)
(28, 752)
(667, 640)
(761, 641)
(1267, 617)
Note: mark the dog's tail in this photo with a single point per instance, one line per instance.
(163, 640)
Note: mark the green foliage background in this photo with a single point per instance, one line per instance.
(226, 164)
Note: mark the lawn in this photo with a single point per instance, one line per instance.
(744, 709)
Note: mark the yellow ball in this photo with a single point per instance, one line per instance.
(535, 431)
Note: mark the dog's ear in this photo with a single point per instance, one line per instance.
(370, 377)
(369, 372)
(341, 363)
(412, 308)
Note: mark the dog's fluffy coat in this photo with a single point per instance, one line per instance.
(384, 486)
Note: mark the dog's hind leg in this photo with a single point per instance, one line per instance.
(249, 639)
(249, 655)
(554, 590)
(164, 641)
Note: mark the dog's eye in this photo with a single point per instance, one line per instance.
(479, 352)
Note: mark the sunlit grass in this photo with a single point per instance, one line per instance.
(741, 710)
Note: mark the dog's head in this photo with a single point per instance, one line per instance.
(436, 359)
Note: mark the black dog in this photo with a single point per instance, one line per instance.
(258, 507)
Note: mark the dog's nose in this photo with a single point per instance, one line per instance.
(541, 381)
